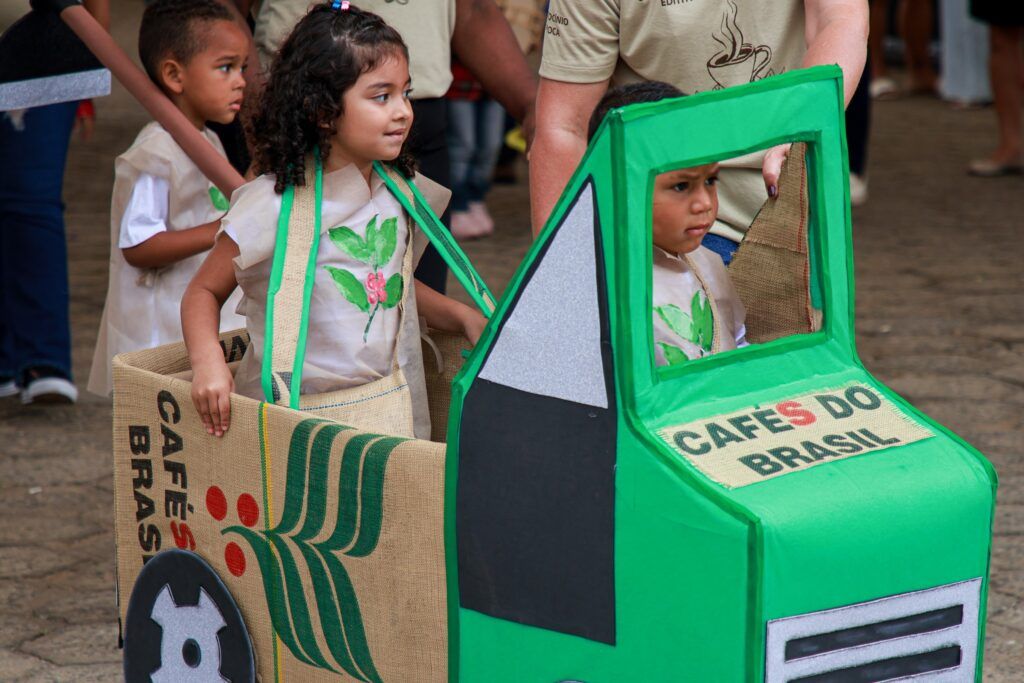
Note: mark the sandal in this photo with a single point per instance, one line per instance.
(987, 168)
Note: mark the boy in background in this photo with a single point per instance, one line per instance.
(164, 212)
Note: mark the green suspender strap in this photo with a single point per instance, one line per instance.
(291, 285)
(416, 206)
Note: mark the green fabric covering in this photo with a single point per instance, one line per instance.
(700, 568)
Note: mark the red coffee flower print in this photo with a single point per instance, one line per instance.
(376, 288)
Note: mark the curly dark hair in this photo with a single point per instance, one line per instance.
(631, 93)
(322, 58)
(175, 29)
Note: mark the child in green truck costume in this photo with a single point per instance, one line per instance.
(773, 514)
(697, 311)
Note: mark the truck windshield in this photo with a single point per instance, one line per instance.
(731, 266)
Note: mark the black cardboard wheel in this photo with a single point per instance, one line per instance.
(183, 625)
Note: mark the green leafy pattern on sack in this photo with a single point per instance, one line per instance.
(375, 249)
(220, 202)
(354, 532)
(698, 327)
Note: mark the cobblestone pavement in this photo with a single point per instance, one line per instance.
(940, 317)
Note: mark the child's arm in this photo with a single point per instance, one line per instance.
(212, 382)
(171, 246)
(145, 241)
(444, 313)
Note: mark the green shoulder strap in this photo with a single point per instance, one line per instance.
(416, 206)
(291, 285)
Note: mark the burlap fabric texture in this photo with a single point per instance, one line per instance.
(771, 269)
(328, 535)
(330, 538)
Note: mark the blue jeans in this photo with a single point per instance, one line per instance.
(474, 140)
(722, 246)
(35, 329)
(964, 53)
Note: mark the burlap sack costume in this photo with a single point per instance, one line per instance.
(387, 404)
(142, 307)
(330, 538)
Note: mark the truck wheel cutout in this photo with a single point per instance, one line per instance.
(183, 625)
(535, 510)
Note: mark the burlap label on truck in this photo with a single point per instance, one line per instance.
(330, 539)
(792, 434)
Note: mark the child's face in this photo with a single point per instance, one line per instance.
(685, 206)
(209, 87)
(377, 114)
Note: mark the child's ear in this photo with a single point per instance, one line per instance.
(172, 74)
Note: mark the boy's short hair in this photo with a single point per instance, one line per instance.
(632, 93)
(174, 28)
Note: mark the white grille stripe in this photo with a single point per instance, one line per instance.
(964, 635)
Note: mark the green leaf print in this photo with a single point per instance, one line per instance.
(703, 321)
(673, 354)
(348, 241)
(387, 240)
(329, 602)
(220, 202)
(350, 287)
(394, 291)
(698, 327)
(371, 243)
(375, 250)
(677, 321)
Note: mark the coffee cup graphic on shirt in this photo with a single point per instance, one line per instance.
(737, 61)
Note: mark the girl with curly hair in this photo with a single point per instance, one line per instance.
(337, 100)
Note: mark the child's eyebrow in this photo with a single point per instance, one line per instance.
(692, 172)
(386, 84)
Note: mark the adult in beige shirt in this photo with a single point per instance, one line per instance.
(475, 30)
(696, 45)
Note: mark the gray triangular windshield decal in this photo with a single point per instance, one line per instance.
(550, 343)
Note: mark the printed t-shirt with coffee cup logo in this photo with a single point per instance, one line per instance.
(696, 45)
(426, 26)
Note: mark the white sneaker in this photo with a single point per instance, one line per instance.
(52, 389)
(483, 218)
(858, 189)
(9, 388)
(884, 88)
(465, 226)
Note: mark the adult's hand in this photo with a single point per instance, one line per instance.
(771, 168)
(563, 112)
(485, 44)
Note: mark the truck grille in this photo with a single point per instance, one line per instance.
(930, 635)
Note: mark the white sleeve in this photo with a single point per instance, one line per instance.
(741, 337)
(231, 230)
(146, 213)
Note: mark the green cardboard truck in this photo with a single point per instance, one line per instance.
(772, 513)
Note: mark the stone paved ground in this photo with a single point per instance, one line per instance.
(940, 317)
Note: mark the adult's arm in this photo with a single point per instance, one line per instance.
(836, 32)
(485, 44)
(563, 112)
